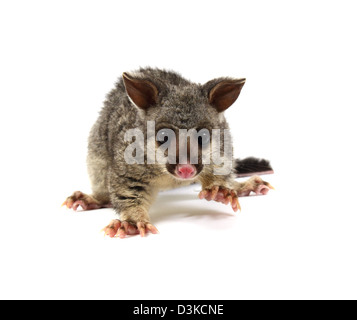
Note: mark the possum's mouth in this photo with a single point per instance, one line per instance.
(184, 171)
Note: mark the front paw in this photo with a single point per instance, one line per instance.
(221, 194)
(121, 229)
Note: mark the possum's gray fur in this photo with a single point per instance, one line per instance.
(172, 101)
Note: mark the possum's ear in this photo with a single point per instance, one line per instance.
(224, 92)
(142, 92)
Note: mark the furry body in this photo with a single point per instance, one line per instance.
(172, 102)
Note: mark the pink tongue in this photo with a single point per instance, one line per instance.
(185, 171)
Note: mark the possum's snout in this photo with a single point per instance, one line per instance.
(185, 171)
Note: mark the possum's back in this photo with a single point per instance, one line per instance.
(114, 116)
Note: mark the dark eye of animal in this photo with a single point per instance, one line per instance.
(163, 136)
(203, 139)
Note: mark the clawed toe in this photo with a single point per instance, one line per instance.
(112, 228)
(256, 185)
(221, 194)
(86, 202)
(121, 229)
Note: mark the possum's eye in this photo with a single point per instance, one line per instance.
(165, 135)
(203, 137)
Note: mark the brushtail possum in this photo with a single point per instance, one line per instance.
(161, 107)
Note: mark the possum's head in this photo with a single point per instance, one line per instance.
(184, 117)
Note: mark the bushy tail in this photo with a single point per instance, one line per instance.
(251, 166)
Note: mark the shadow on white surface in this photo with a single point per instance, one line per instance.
(185, 205)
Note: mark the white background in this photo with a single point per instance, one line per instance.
(58, 61)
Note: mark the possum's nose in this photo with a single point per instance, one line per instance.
(185, 171)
